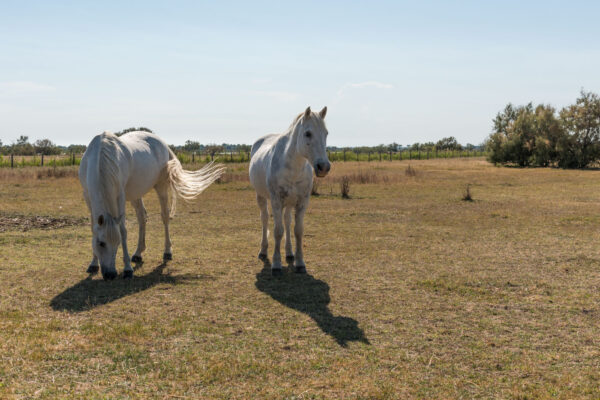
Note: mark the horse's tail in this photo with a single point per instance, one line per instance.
(189, 184)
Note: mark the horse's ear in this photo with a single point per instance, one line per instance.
(100, 219)
(307, 113)
(323, 112)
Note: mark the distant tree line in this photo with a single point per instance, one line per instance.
(541, 136)
(23, 147)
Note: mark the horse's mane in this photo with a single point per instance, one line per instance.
(295, 121)
(108, 173)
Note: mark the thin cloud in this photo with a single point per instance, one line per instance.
(261, 81)
(18, 87)
(278, 95)
(361, 85)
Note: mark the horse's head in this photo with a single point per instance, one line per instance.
(105, 242)
(312, 140)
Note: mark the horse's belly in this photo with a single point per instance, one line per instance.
(141, 183)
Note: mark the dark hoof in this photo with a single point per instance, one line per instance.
(276, 271)
(289, 259)
(262, 256)
(109, 276)
(127, 274)
(136, 259)
(167, 257)
(300, 269)
(93, 269)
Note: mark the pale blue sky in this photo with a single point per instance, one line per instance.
(233, 71)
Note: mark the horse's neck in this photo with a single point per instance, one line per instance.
(294, 159)
(109, 181)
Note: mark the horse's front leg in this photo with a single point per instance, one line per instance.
(140, 212)
(94, 264)
(277, 209)
(287, 219)
(128, 270)
(299, 265)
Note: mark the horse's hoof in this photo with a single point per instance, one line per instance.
(93, 269)
(289, 259)
(109, 276)
(262, 256)
(276, 271)
(167, 257)
(136, 259)
(300, 269)
(128, 274)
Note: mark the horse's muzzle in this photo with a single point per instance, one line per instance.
(322, 168)
(109, 274)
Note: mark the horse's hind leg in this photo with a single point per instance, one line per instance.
(140, 212)
(94, 265)
(162, 190)
(289, 255)
(264, 218)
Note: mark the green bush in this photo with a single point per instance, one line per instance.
(528, 136)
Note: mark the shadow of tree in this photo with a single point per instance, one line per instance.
(304, 293)
(89, 293)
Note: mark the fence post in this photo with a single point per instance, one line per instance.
(390, 155)
(72, 158)
(369, 156)
(344, 155)
(12, 160)
(42, 159)
(379, 156)
(231, 156)
(193, 157)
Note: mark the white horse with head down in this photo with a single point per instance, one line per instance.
(114, 170)
(281, 171)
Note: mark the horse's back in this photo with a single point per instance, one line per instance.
(148, 164)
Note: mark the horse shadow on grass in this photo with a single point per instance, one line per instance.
(306, 294)
(89, 293)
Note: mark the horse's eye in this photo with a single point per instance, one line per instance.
(308, 134)
(102, 244)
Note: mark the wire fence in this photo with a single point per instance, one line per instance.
(70, 159)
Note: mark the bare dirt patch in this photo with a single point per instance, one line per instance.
(15, 222)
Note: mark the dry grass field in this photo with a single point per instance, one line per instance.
(411, 292)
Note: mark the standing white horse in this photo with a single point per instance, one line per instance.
(115, 169)
(281, 170)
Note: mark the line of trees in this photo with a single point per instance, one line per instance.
(23, 147)
(541, 136)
